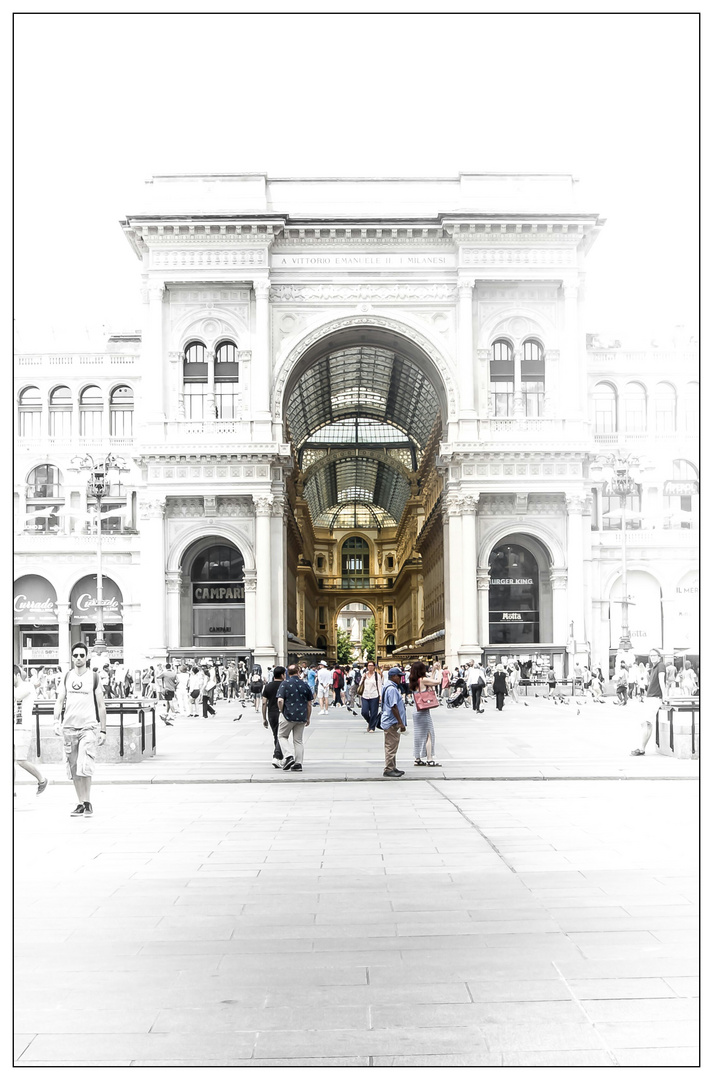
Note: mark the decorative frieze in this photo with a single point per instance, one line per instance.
(519, 256)
(184, 508)
(208, 258)
(151, 508)
(396, 291)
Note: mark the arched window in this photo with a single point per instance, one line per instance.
(30, 413)
(195, 380)
(121, 412)
(218, 597)
(634, 408)
(604, 408)
(681, 495)
(44, 499)
(665, 409)
(227, 397)
(691, 407)
(355, 563)
(91, 405)
(533, 378)
(61, 413)
(502, 379)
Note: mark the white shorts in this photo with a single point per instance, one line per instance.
(323, 692)
(22, 739)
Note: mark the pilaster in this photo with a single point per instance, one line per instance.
(465, 343)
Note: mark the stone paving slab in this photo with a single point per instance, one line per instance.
(384, 955)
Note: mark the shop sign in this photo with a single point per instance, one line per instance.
(39, 654)
(511, 616)
(226, 593)
(84, 601)
(680, 487)
(35, 601)
(512, 581)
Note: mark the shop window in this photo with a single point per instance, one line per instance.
(604, 409)
(227, 391)
(634, 408)
(195, 381)
(533, 378)
(502, 379)
(681, 496)
(29, 413)
(61, 413)
(121, 412)
(665, 409)
(218, 597)
(514, 596)
(91, 406)
(44, 499)
(355, 563)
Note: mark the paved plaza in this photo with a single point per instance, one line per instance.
(531, 902)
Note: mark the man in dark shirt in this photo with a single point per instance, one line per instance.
(294, 700)
(271, 712)
(652, 701)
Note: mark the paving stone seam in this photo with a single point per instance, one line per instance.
(473, 825)
(605, 1047)
(101, 782)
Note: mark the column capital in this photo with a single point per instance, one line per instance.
(263, 505)
(575, 504)
(452, 506)
(250, 580)
(174, 582)
(262, 289)
(466, 285)
(174, 357)
(558, 577)
(485, 355)
(469, 502)
(482, 578)
(156, 292)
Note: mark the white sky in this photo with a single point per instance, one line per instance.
(104, 101)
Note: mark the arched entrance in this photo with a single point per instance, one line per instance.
(363, 408)
(35, 618)
(215, 572)
(83, 614)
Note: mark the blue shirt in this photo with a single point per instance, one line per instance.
(311, 677)
(296, 695)
(392, 696)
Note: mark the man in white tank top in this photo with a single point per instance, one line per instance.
(80, 716)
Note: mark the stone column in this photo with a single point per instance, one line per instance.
(575, 565)
(152, 355)
(174, 582)
(560, 622)
(483, 402)
(260, 362)
(176, 408)
(571, 387)
(518, 401)
(482, 578)
(551, 406)
(250, 580)
(263, 559)
(210, 413)
(465, 343)
(468, 560)
(63, 614)
(454, 579)
(152, 633)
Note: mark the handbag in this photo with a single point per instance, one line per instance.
(425, 699)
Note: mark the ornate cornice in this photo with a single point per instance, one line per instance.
(524, 256)
(207, 258)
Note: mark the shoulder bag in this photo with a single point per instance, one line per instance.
(425, 699)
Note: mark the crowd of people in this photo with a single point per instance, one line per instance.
(285, 699)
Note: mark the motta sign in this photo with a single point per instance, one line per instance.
(511, 616)
(227, 593)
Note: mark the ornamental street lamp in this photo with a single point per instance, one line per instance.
(98, 486)
(622, 472)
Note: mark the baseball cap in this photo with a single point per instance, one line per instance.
(395, 671)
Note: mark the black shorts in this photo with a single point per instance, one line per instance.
(169, 694)
(195, 694)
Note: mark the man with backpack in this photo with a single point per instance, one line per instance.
(80, 716)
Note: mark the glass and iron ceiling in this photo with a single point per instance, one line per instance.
(364, 397)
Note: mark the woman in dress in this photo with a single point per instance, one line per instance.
(500, 687)
(445, 679)
(422, 721)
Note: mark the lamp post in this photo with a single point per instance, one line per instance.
(622, 472)
(98, 486)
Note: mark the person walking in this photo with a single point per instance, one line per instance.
(22, 731)
(80, 717)
(294, 700)
(256, 688)
(353, 686)
(207, 692)
(337, 686)
(271, 712)
(622, 685)
(445, 681)
(642, 682)
(423, 730)
(182, 676)
(500, 687)
(514, 681)
(311, 679)
(393, 720)
(654, 695)
(169, 682)
(689, 679)
(475, 681)
(370, 690)
(324, 682)
(196, 681)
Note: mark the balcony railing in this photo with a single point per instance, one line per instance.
(73, 442)
(96, 362)
(621, 438)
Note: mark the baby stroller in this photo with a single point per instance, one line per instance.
(459, 695)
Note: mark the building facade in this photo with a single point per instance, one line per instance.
(356, 392)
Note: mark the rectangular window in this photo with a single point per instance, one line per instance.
(390, 614)
(502, 391)
(533, 394)
(30, 424)
(121, 423)
(194, 395)
(61, 423)
(90, 423)
(611, 515)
